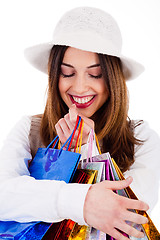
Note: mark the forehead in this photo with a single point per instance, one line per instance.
(76, 56)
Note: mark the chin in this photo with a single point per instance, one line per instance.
(85, 113)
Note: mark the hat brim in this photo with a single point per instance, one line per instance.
(38, 56)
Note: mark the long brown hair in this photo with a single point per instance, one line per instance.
(112, 126)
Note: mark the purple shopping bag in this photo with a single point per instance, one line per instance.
(112, 172)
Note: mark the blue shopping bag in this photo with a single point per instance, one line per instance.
(48, 163)
(54, 164)
(8, 230)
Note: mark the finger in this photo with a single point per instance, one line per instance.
(69, 123)
(135, 204)
(64, 127)
(73, 113)
(135, 217)
(88, 121)
(86, 130)
(117, 185)
(60, 133)
(129, 230)
(117, 235)
(88, 124)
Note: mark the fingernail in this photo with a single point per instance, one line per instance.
(142, 235)
(129, 178)
(146, 221)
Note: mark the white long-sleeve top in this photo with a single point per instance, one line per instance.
(25, 199)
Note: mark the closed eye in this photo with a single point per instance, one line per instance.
(96, 76)
(67, 76)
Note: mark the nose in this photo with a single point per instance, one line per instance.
(80, 85)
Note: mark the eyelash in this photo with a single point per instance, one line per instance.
(98, 76)
(67, 76)
(71, 75)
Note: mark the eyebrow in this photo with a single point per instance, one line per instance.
(68, 65)
(92, 66)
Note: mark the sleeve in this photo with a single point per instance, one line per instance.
(26, 199)
(146, 168)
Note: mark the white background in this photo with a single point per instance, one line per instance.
(25, 23)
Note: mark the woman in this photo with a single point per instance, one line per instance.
(87, 75)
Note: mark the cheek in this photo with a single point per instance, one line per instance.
(101, 87)
(62, 86)
(103, 92)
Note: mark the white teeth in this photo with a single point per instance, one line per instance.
(82, 100)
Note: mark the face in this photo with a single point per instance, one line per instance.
(81, 81)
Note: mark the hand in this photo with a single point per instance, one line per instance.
(108, 211)
(65, 126)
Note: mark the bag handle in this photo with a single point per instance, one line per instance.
(92, 137)
(54, 141)
(79, 137)
(90, 145)
(73, 133)
(69, 140)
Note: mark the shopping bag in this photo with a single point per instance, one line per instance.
(56, 164)
(68, 229)
(112, 172)
(9, 229)
(99, 166)
(83, 232)
(149, 228)
(49, 163)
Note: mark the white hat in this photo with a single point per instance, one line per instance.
(88, 29)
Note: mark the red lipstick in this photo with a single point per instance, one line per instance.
(82, 105)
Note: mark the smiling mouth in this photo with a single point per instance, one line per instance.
(83, 99)
(82, 102)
